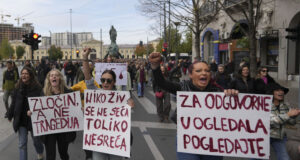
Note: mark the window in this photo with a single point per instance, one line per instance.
(272, 52)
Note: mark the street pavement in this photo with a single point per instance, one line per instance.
(152, 140)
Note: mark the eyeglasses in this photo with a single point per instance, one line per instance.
(109, 81)
(264, 70)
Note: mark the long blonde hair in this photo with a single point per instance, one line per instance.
(48, 88)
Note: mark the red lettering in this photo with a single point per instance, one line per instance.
(184, 100)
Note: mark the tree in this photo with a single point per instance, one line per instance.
(149, 49)
(188, 12)
(186, 45)
(252, 14)
(20, 51)
(175, 39)
(140, 50)
(55, 53)
(6, 50)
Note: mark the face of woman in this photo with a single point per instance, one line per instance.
(264, 72)
(107, 81)
(245, 72)
(54, 78)
(200, 75)
(25, 76)
(279, 95)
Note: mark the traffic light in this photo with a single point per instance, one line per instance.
(26, 39)
(32, 39)
(294, 33)
(77, 53)
(164, 52)
(35, 41)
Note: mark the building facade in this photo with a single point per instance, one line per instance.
(65, 38)
(10, 32)
(223, 39)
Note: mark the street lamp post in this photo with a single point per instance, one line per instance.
(176, 40)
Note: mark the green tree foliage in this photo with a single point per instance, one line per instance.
(140, 50)
(149, 49)
(186, 44)
(180, 45)
(20, 51)
(55, 53)
(6, 50)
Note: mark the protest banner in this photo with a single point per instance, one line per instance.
(107, 122)
(119, 68)
(214, 124)
(56, 114)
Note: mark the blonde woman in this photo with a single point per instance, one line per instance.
(54, 85)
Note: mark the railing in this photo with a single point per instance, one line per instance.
(208, 8)
(229, 3)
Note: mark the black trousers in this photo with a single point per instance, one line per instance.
(50, 145)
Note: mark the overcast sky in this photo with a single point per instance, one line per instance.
(88, 16)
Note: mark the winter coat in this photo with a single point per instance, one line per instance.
(19, 106)
(279, 119)
(173, 87)
(9, 80)
(241, 86)
(223, 80)
(260, 85)
(70, 70)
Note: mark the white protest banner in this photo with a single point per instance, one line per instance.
(56, 114)
(119, 68)
(107, 122)
(214, 124)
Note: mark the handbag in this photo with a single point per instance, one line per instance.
(159, 94)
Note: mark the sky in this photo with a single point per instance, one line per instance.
(87, 16)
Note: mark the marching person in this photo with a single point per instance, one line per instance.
(281, 116)
(81, 86)
(10, 77)
(27, 86)
(263, 79)
(200, 81)
(222, 78)
(55, 85)
(243, 82)
(163, 102)
(108, 80)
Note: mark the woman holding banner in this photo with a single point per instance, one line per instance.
(108, 80)
(54, 85)
(200, 81)
(27, 86)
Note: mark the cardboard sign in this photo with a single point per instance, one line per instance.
(215, 124)
(107, 122)
(56, 114)
(119, 68)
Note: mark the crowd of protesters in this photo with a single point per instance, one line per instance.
(46, 78)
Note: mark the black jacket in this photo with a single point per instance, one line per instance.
(72, 68)
(173, 87)
(260, 85)
(68, 136)
(19, 106)
(243, 87)
(223, 80)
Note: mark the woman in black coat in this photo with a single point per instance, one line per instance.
(27, 86)
(200, 81)
(263, 80)
(243, 82)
